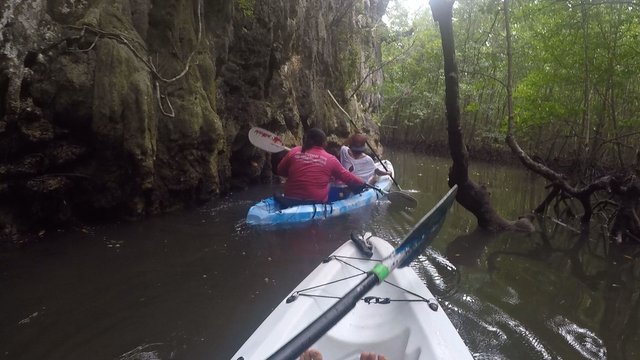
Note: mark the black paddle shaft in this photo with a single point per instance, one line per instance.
(325, 322)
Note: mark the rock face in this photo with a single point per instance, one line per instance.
(123, 108)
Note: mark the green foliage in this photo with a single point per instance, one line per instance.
(560, 50)
(349, 63)
(411, 94)
(247, 7)
(472, 107)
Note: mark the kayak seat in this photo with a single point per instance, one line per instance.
(341, 192)
(287, 202)
(392, 345)
(338, 192)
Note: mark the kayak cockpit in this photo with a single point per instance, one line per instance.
(269, 212)
(400, 319)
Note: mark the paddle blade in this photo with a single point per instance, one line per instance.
(402, 199)
(423, 233)
(266, 140)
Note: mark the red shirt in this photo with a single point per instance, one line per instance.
(309, 173)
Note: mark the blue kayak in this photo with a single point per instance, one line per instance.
(268, 211)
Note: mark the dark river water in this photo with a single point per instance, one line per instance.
(195, 284)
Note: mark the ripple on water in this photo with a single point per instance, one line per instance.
(392, 224)
(153, 351)
(241, 228)
(411, 190)
(226, 203)
(440, 275)
(579, 338)
(484, 326)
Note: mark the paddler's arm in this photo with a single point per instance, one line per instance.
(276, 159)
(381, 172)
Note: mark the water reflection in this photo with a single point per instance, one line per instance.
(194, 285)
(557, 293)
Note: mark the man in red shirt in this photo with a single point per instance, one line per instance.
(309, 169)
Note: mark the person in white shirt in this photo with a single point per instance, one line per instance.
(354, 159)
(358, 163)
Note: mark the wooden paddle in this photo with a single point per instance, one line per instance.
(270, 142)
(412, 246)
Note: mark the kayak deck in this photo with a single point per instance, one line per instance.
(398, 321)
(268, 212)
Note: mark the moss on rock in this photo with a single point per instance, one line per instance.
(125, 108)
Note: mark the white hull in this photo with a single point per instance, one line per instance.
(400, 330)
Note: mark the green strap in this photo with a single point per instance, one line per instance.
(380, 271)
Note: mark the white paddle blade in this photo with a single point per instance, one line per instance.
(266, 140)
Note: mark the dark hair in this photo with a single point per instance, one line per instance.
(313, 137)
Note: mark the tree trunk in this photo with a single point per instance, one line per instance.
(586, 101)
(471, 196)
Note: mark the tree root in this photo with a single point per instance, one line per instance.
(127, 41)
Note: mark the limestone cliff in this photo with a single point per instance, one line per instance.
(123, 108)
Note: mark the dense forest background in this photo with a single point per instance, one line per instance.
(575, 79)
